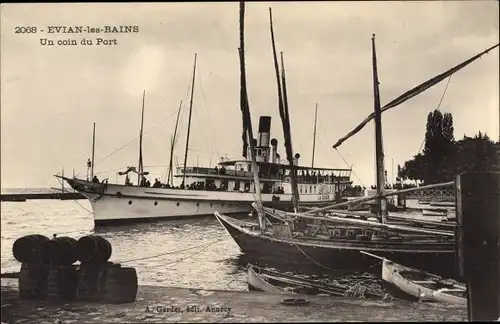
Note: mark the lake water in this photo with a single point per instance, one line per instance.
(210, 259)
(182, 253)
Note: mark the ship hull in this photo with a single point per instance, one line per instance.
(336, 257)
(119, 204)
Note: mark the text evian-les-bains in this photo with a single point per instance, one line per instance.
(87, 29)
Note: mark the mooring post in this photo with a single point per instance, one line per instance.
(478, 242)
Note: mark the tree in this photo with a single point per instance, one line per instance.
(443, 157)
(439, 148)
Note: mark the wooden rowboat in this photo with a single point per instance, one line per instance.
(423, 285)
(257, 282)
(278, 283)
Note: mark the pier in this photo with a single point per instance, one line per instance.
(44, 195)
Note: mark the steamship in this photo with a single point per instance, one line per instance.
(228, 188)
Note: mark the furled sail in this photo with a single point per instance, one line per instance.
(412, 93)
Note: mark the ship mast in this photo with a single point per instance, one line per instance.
(283, 109)
(93, 152)
(170, 176)
(314, 135)
(247, 121)
(140, 168)
(288, 142)
(379, 149)
(189, 125)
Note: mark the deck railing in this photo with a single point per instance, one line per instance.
(247, 174)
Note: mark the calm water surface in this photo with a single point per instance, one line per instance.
(204, 265)
(183, 253)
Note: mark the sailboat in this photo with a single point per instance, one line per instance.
(307, 242)
(229, 187)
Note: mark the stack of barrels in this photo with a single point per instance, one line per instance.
(48, 270)
(29, 250)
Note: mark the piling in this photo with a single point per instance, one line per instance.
(478, 242)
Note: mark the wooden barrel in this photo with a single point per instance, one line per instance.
(121, 285)
(93, 249)
(62, 281)
(32, 281)
(91, 281)
(62, 251)
(30, 249)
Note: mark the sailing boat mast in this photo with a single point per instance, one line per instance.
(140, 169)
(247, 120)
(189, 125)
(288, 142)
(283, 109)
(379, 149)
(314, 136)
(170, 176)
(93, 151)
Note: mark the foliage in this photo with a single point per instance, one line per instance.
(443, 157)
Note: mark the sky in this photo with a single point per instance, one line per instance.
(52, 95)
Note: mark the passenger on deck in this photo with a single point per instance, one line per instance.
(157, 183)
(148, 184)
(127, 181)
(222, 171)
(143, 182)
(95, 179)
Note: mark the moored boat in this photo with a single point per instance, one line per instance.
(228, 189)
(423, 285)
(335, 248)
(277, 282)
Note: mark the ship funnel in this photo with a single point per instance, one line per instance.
(274, 151)
(264, 131)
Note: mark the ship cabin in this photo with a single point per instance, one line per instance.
(274, 173)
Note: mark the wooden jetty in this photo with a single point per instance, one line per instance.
(45, 195)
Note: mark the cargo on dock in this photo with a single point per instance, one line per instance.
(168, 304)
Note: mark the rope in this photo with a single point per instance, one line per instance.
(328, 268)
(320, 137)
(351, 168)
(60, 182)
(439, 105)
(178, 251)
(127, 144)
(88, 211)
(205, 102)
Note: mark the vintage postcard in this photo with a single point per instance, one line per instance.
(250, 161)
